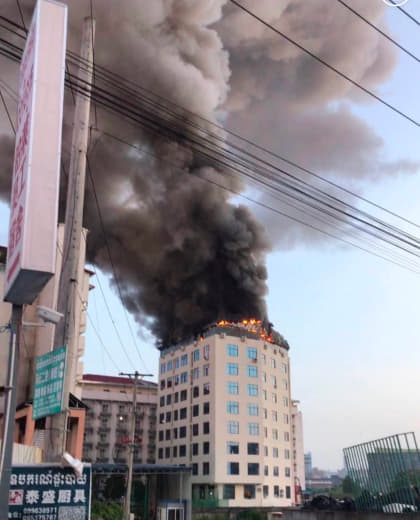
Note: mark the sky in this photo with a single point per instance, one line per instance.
(351, 319)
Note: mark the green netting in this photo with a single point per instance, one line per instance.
(385, 474)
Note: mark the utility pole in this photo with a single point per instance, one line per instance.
(66, 333)
(10, 409)
(127, 501)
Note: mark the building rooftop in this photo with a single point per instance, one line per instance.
(114, 380)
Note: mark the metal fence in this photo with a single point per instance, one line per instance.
(384, 474)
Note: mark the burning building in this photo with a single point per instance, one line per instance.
(225, 410)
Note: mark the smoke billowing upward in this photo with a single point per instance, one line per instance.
(184, 253)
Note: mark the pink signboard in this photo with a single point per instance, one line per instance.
(36, 169)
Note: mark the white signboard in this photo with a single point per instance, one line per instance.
(36, 169)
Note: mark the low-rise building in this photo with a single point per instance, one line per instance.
(108, 419)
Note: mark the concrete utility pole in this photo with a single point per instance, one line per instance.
(127, 501)
(10, 409)
(66, 333)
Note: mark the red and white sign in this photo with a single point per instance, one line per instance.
(36, 169)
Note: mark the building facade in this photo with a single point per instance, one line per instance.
(108, 419)
(225, 410)
(308, 464)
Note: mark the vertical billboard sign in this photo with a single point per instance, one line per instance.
(35, 182)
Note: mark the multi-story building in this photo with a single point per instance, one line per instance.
(38, 338)
(225, 410)
(308, 464)
(297, 450)
(108, 419)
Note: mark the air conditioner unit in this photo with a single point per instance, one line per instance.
(222, 334)
(243, 339)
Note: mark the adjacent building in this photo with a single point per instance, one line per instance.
(297, 450)
(225, 410)
(108, 419)
(308, 464)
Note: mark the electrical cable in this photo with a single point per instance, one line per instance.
(406, 13)
(7, 111)
(376, 28)
(327, 65)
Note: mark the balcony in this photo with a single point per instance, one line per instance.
(208, 503)
(120, 460)
(104, 429)
(102, 444)
(105, 414)
(102, 460)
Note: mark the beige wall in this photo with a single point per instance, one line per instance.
(219, 416)
(297, 446)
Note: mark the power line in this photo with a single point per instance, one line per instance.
(108, 248)
(7, 111)
(21, 14)
(406, 13)
(326, 64)
(376, 28)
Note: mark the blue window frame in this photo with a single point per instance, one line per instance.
(232, 350)
(252, 390)
(232, 407)
(251, 353)
(252, 371)
(232, 369)
(184, 360)
(169, 366)
(232, 388)
(196, 355)
(163, 368)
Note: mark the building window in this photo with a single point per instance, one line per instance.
(182, 432)
(206, 351)
(162, 384)
(160, 453)
(286, 436)
(176, 379)
(169, 366)
(196, 391)
(253, 468)
(168, 399)
(206, 448)
(182, 450)
(287, 472)
(195, 468)
(228, 491)
(169, 382)
(162, 400)
(175, 451)
(233, 427)
(276, 453)
(232, 448)
(273, 363)
(232, 388)
(284, 368)
(183, 413)
(265, 491)
(196, 373)
(285, 401)
(252, 390)
(176, 362)
(265, 413)
(275, 434)
(265, 432)
(195, 410)
(275, 471)
(175, 430)
(206, 388)
(206, 370)
(206, 428)
(253, 448)
(232, 407)
(251, 353)
(287, 491)
(264, 393)
(206, 468)
(163, 368)
(285, 418)
(183, 395)
(176, 397)
(196, 355)
(252, 371)
(284, 384)
(274, 397)
(274, 381)
(253, 428)
(206, 408)
(266, 471)
(264, 377)
(276, 491)
(184, 377)
(265, 451)
(232, 369)
(232, 350)
(168, 435)
(184, 360)
(233, 468)
(287, 454)
(264, 359)
(252, 409)
(249, 491)
(194, 448)
(175, 415)
(161, 434)
(274, 415)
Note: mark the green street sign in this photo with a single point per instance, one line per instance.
(49, 383)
